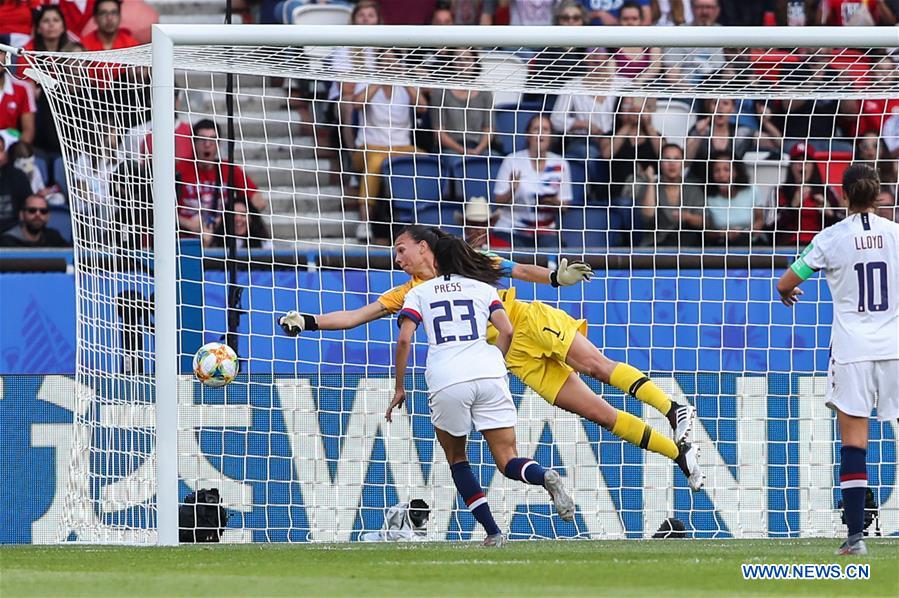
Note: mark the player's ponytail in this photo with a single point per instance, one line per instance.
(861, 184)
(454, 256)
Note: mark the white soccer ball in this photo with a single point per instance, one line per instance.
(216, 364)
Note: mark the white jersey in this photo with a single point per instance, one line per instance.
(860, 259)
(455, 311)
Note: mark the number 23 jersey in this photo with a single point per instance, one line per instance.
(455, 311)
(860, 259)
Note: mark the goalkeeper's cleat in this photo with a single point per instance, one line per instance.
(681, 418)
(494, 541)
(564, 503)
(688, 461)
(858, 548)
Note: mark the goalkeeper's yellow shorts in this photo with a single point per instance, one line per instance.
(543, 336)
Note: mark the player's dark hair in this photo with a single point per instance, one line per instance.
(861, 184)
(455, 256)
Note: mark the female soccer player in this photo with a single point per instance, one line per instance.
(548, 350)
(466, 376)
(860, 259)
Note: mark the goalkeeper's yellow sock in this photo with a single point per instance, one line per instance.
(633, 381)
(630, 428)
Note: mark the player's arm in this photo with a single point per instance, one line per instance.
(788, 287)
(812, 259)
(503, 325)
(403, 348)
(293, 323)
(567, 274)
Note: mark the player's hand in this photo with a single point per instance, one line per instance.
(792, 298)
(399, 397)
(573, 273)
(293, 323)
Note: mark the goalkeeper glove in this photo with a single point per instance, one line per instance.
(293, 323)
(568, 274)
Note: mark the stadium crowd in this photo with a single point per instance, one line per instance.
(543, 156)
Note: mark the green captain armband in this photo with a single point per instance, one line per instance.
(801, 269)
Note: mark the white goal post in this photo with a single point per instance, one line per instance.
(758, 387)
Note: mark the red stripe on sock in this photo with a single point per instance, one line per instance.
(477, 496)
(853, 476)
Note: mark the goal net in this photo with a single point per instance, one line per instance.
(689, 177)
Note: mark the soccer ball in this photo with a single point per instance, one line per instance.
(215, 364)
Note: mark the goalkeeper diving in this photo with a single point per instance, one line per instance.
(548, 350)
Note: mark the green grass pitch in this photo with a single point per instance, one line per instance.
(654, 568)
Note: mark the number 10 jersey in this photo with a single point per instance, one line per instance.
(860, 259)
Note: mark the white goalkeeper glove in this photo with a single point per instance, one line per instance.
(568, 274)
(293, 323)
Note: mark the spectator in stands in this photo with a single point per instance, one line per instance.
(14, 188)
(886, 205)
(50, 31)
(385, 130)
(50, 34)
(32, 230)
(804, 204)
(585, 118)
(554, 64)
(670, 209)
(473, 12)
(15, 22)
(693, 65)
(250, 230)
(108, 35)
(77, 14)
(93, 173)
(872, 149)
(203, 184)
(462, 117)
(608, 12)
(796, 13)
(856, 13)
(137, 142)
(22, 155)
(633, 145)
(477, 218)
(671, 12)
(734, 209)
(639, 64)
(133, 216)
(532, 186)
(745, 13)
(713, 132)
(341, 94)
(531, 12)
(443, 15)
(17, 104)
(891, 134)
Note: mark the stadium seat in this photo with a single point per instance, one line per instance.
(585, 227)
(511, 122)
(474, 177)
(673, 119)
(61, 220)
(507, 68)
(578, 171)
(415, 187)
(321, 14)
